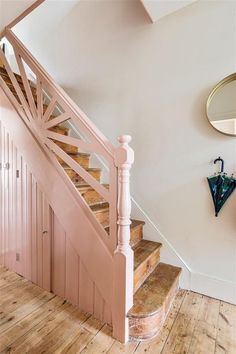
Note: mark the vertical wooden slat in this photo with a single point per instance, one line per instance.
(16, 85)
(24, 217)
(39, 237)
(1, 193)
(26, 85)
(47, 251)
(58, 258)
(39, 99)
(72, 274)
(107, 314)
(19, 214)
(34, 232)
(98, 304)
(11, 236)
(28, 265)
(49, 110)
(3, 196)
(14, 205)
(86, 290)
(6, 200)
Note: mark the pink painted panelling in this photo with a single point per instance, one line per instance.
(70, 279)
(84, 237)
(34, 244)
(24, 247)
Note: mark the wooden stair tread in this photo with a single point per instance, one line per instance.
(151, 296)
(84, 186)
(59, 128)
(82, 154)
(90, 169)
(98, 207)
(135, 223)
(143, 250)
(3, 72)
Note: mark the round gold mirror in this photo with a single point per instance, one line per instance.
(221, 106)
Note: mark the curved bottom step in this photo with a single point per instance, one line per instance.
(152, 302)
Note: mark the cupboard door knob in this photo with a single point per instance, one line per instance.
(45, 232)
(7, 166)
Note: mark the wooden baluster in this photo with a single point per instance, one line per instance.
(123, 256)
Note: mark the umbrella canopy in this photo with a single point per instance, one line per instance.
(221, 187)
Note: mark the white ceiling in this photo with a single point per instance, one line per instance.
(157, 9)
(10, 9)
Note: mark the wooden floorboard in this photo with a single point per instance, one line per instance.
(34, 321)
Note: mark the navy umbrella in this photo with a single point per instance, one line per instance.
(221, 187)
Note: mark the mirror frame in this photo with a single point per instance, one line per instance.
(220, 84)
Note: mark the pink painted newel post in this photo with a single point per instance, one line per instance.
(123, 256)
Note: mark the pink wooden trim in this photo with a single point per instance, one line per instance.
(113, 190)
(39, 99)
(14, 101)
(49, 110)
(55, 121)
(80, 170)
(60, 95)
(123, 257)
(3, 34)
(25, 13)
(26, 85)
(15, 84)
(84, 146)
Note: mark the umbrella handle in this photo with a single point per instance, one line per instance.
(222, 163)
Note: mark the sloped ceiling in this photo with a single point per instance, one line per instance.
(10, 9)
(157, 9)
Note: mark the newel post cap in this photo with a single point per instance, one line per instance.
(124, 139)
(124, 154)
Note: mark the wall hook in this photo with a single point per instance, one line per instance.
(222, 163)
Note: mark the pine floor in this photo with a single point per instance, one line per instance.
(35, 321)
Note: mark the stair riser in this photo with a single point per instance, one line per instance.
(44, 106)
(18, 78)
(11, 87)
(33, 90)
(59, 130)
(7, 79)
(102, 217)
(69, 149)
(136, 235)
(145, 328)
(92, 197)
(145, 269)
(82, 160)
(95, 174)
(78, 179)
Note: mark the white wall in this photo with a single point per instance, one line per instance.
(152, 81)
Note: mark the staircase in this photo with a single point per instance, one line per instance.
(155, 283)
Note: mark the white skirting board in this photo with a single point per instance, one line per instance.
(190, 280)
(213, 287)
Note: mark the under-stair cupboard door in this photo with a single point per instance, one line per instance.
(39, 234)
(25, 217)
